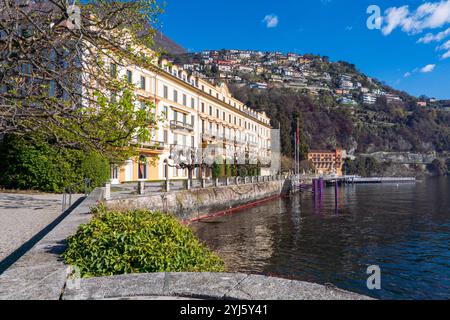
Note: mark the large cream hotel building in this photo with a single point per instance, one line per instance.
(194, 113)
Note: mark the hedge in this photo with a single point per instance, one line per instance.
(39, 165)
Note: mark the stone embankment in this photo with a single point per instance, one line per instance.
(192, 204)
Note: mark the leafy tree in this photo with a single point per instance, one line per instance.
(438, 167)
(57, 71)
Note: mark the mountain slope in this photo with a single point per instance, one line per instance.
(338, 106)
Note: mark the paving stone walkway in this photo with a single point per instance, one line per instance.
(24, 215)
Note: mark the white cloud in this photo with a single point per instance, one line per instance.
(271, 20)
(394, 17)
(429, 37)
(446, 47)
(428, 68)
(430, 15)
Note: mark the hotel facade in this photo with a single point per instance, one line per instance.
(193, 113)
(327, 161)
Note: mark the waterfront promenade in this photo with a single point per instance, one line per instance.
(22, 215)
(40, 274)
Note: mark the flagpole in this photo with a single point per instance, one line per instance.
(295, 153)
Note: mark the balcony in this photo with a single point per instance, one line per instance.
(239, 142)
(212, 135)
(179, 125)
(154, 145)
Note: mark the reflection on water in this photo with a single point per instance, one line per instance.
(405, 229)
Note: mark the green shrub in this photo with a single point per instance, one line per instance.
(39, 165)
(137, 241)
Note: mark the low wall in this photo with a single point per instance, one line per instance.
(191, 204)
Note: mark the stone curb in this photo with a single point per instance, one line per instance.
(40, 274)
(212, 286)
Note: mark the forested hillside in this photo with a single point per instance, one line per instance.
(326, 124)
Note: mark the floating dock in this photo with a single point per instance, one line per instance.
(380, 180)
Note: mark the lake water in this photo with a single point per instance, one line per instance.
(404, 229)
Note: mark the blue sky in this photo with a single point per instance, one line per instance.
(335, 28)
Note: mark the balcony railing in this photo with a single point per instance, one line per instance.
(181, 125)
(154, 145)
(212, 135)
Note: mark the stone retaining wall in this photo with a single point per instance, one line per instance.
(191, 204)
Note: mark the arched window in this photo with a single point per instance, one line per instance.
(142, 174)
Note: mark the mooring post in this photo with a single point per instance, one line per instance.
(336, 195)
(321, 185)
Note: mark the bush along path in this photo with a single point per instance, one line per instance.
(137, 241)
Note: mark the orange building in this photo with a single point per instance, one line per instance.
(327, 161)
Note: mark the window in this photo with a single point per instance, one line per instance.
(175, 139)
(142, 83)
(223, 116)
(166, 92)
(184, 118)
(217, 113)
(192, 141)
(166, 136)
(113, 70)
(129, 76)
(210, 111)
(142, 169)
(184, 140)
(114, 171)
(192, 103)
(229, 118)
(203, 107)
(184, 100)
(192, 120)
(175, 95)
(175, 115)
(142, 105)
(166, 113)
